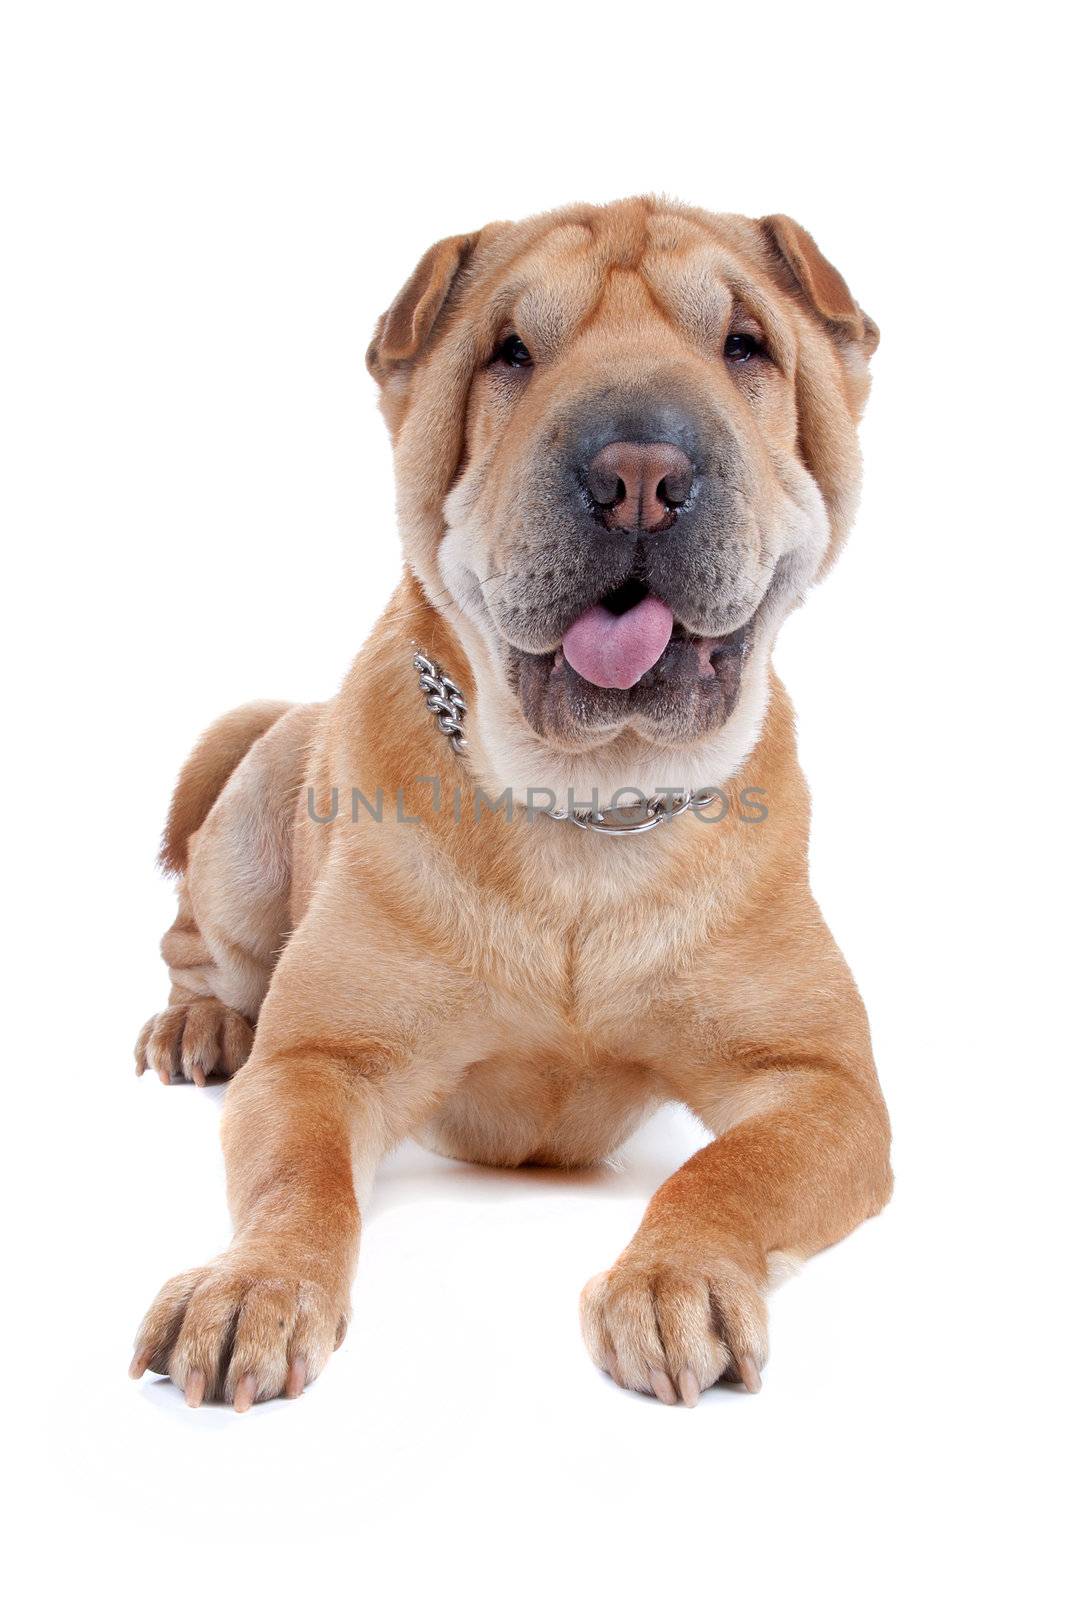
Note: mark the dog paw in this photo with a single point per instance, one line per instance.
(240, 1331)
(196, 1040)
(672, 1330)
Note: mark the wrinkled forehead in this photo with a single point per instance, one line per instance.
(625, 275)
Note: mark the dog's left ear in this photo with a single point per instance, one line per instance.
(832, 382)
(406, 328)
(821, 286)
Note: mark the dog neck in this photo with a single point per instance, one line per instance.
(502, 782)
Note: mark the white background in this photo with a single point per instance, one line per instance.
(205, 209)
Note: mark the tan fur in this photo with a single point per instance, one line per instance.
(202, 778)
(518, 991)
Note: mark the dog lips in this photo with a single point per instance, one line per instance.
(613, 652)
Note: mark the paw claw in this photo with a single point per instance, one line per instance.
(139, 1364)
(662, 1387)
(297, 1377)
(195, 1385)
(690, 1388)
(750, 1376)
(245, 1393)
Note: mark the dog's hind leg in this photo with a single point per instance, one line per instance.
(229, 836)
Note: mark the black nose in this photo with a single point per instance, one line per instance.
(639, 487)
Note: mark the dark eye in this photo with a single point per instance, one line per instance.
(740, 346)
(514, 353)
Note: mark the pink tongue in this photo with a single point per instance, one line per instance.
(613, 652)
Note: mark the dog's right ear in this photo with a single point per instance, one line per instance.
(406, 328)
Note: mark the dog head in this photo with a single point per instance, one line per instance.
(625, 444)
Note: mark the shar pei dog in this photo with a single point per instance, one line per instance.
(540, 866)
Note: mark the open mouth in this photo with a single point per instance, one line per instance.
(628, 658)
(614, 643)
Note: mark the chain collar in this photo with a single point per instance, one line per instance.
(445, 699)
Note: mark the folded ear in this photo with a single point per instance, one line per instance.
(405, 329)
(820, 284)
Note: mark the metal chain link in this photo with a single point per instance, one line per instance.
(650, 813)
(445, 699)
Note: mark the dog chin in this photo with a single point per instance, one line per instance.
(639, 753)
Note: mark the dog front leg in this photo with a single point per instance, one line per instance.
(684, 1305)
(302, 1127)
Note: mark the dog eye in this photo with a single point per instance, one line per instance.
(741, 346)
(514, 353)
